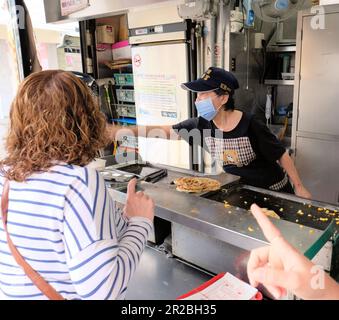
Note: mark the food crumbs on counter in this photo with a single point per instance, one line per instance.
(301, 226)
(281, 209)
(310, 206)
(229, 211)
(327, 211)
(265, 199)
(323, 219)
(320, 209)
(336, 219)
(194, 210)
(245, 202)
(337, 222)
(296, 220)
(300, 213)
(311, 231)
(309, 215)
(250, 229)
(226, 204)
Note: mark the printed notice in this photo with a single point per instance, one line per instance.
(156, 96)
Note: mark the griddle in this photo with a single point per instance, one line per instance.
(239, 195)
(143, 172)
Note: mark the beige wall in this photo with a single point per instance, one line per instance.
(3, 133)
(3, 32)
(42, 36)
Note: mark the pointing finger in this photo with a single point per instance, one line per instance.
(131, 187)
(268, 228)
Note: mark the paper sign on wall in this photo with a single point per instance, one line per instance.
(71, 6)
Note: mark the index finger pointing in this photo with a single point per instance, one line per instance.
(131, 187)
(268, 228)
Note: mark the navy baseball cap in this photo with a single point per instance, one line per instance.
(214, 78)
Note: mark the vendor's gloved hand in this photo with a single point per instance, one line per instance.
(280, 267)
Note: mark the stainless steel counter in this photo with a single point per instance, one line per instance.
(161, 278)
(233, 225)
(207, 234)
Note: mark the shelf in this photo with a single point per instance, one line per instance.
(126, 120)
(118, 65)
(281, 49)
(280, 82)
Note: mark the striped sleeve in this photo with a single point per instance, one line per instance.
(121, 222)
(102, 249)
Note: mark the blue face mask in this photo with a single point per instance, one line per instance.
(206, 109)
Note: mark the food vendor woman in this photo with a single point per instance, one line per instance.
(243, 145)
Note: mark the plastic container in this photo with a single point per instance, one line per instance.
(125, 95)
(126, 120)
(97, 164)
(123, 79)
(121, 50)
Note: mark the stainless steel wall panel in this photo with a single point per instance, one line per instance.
(319, 75)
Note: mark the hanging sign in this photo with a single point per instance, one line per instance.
(71, 6)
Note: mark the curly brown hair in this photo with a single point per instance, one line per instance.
(54, 118)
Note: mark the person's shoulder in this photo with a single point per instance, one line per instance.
(245, 115)
(254, 120)
(72, 174)
(189, 124)
(202, 123)
(245, 120)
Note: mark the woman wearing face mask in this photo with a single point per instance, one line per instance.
(241, 144)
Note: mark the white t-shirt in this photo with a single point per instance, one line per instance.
(67, 227)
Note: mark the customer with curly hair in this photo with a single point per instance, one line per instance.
(57, 212)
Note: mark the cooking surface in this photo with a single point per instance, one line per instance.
(117, 177)
(163, 176)
(140, 169)
(301, 213)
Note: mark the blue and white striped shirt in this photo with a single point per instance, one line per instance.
(68, 228)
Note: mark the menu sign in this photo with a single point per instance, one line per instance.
(71, 6)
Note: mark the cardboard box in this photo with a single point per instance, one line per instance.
(121, 50)
(105, 34)
(123, 28)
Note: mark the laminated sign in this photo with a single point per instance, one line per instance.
(71, 6)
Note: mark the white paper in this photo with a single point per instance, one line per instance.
(157, 97)
(226, 288)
